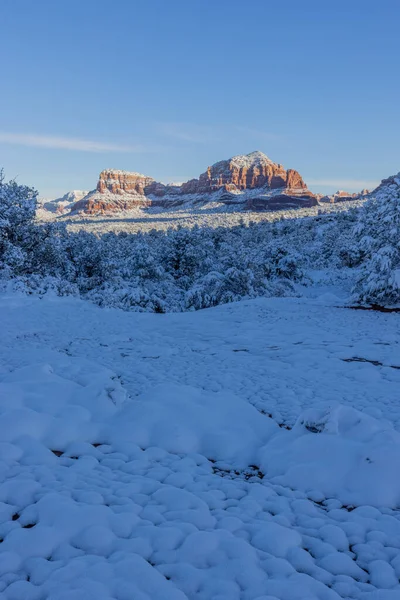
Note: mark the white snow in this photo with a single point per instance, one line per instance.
(253, 158)
(59, 206)
(212, 214)
(122, 172)
(245, 452)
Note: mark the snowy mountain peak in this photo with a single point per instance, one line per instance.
(73, 196)
(112, 173)
(252, 159)
(63, 204)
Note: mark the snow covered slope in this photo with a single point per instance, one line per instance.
(61, 205)
(246, 452)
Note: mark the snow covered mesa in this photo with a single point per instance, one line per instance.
(250, 181)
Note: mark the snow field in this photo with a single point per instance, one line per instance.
(212, 214)
(233, 453)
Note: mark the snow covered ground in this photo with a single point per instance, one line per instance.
(249, 451)
(210, 214)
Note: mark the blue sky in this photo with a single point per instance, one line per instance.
(167, 87)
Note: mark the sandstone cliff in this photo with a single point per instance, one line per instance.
(236, 180)
(122, 182)
(254, 170)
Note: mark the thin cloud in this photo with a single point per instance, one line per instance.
(343, 184)
(63, 143)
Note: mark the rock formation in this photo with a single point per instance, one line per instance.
(228, 181)
(122, 182)
(255, 170)
(93, 204)
(342, 196)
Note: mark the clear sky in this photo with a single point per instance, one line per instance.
(167, 87)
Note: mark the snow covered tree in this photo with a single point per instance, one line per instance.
(173, 270)
(17, 214)
(378, 242)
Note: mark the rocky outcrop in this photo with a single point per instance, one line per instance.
(116, 191)
(254, 170)
(122, 182)
(232, 181)
(294, 180)
(342, 196)
(94, 204)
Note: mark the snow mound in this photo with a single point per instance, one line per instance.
(340, 453)
(183, 420)
(139, 459)
(39, 404)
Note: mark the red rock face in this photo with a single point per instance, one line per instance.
(242, 173)
(122, 182)
(231, 177)
(294, 180)
(95, 206)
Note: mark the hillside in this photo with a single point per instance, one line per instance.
(63, 204)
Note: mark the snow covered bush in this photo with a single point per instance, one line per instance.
(17, 213)
(377, 244)
(27, 248)
(173, 270)
(281, 262)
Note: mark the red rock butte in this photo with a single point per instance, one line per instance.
(236, 180)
